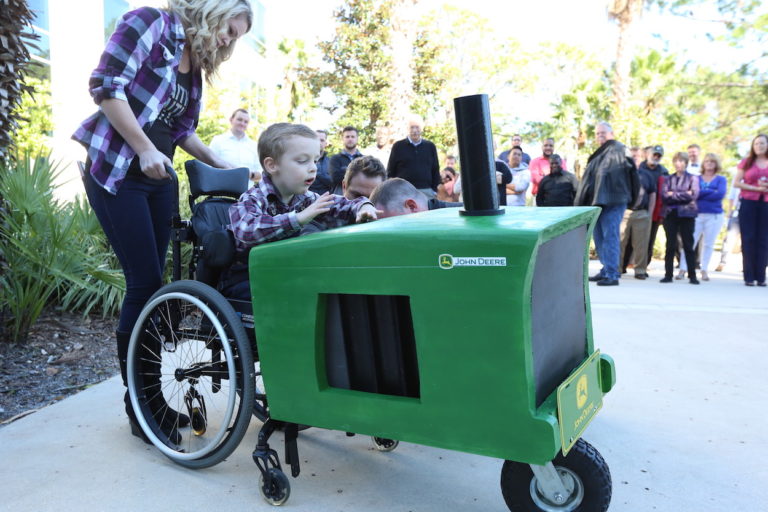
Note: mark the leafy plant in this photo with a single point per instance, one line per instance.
(53, 253)
(35, 125)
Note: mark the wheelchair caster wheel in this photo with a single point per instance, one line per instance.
(278, 491)
(383, 444)
(197, 421)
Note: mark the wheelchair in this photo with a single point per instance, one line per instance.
(191, 345)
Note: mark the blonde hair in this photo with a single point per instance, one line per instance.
(713, 158)
(272, 140)
(203, 21)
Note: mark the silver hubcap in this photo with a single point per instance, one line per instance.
(557, 503)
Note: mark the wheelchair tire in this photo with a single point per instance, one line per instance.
(189, 352)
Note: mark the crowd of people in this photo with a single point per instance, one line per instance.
(635, 191)
(148, 86)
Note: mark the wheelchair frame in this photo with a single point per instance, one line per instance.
(192, 312)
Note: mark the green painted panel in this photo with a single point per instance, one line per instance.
(472, 326)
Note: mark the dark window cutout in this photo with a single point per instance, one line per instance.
(369, 344)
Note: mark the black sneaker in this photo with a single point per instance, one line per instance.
(596, 277)
(608, 282)
(693, 280)
(666, 279)
(641, 276)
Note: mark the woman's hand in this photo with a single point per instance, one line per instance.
(153, 162)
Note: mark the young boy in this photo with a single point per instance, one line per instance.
(281, 203)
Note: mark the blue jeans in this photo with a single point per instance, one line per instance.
(608, 240)
(753, 221)
(137, 223)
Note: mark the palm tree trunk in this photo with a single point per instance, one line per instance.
(626, 12)
(15, 32)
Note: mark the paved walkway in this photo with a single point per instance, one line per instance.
(682, 431)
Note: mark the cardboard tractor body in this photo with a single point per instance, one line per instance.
(471, 333)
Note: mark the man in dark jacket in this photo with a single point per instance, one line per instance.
(415, 160)
(339, 162)
(323, 182)
(610, 182)
(558, 188)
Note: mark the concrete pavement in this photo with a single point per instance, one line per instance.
(683, 430)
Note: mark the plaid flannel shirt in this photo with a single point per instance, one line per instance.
(260, 216)
(139, 65)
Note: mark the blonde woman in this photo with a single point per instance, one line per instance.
(712, 188)
(148, 86)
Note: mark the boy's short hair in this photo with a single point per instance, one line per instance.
(350, 129)
(272, 140)
(369, 166)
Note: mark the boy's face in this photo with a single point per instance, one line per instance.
(295, 171)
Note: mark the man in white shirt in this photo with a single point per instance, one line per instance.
(382, 145)
(694, 165)
(521, 178)
(236, 147)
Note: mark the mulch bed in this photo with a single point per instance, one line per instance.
(64, 354)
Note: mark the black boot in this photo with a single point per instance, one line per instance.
(171, 420)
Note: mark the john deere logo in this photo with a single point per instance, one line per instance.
(582, 392)
(448, 261)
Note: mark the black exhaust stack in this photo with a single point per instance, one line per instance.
(478, 168)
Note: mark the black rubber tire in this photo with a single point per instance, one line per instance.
(583, 460)
(383, 444)
(279, 491)
(172, 317)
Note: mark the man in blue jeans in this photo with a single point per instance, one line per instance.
(610, 181)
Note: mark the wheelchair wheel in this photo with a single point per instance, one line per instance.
(189, 353)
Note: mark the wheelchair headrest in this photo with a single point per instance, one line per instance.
(205, 180)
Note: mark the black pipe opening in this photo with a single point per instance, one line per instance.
(478, 169)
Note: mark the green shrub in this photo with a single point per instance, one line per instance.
(52, 253)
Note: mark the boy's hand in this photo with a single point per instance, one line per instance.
(321, 205)
(367, 213)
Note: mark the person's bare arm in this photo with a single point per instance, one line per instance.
(120, 116)
(738, 182)
(195, 147)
